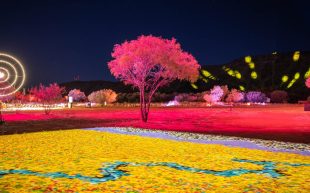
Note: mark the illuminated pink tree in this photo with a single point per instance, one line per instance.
(149, 63)
(308, 82)
(47, 95)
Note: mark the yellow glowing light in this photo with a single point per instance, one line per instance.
(206, 73)
(248, 59)
(284, 78)
(16, 75)
(253, 75)
(291, 83)
(241, 88)
(231, 72)
(205, 80)
(252, 65)
(307, 74)
(274, 53)
(297, 75)
(5, 74)
(2, 75)
(296, 56)
(194, 86)
(238, 75)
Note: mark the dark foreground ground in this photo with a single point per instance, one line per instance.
(274, 122)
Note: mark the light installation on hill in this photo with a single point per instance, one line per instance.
(12, 75)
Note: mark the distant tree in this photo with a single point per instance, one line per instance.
(103, 96)
(149, 63)
(308, 82)
(216, 93)
(77, 95)
(235, 96)
(47, 95)
(278, 96)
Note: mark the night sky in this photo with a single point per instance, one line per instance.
(58, 40)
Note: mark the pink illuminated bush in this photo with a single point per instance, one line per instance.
(47, 95)
(149, 63)
(77, 95)
(308, 82)
(255, 97)
(103, 96)
(235, 96)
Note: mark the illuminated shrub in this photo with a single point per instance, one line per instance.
(225, 92)
(255, 97)
(47, 95)
(279, 96)
(77, 95)
(235, 96)
(217, 93)
(102, 96)
(308, 82)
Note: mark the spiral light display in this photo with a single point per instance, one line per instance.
(12, 75)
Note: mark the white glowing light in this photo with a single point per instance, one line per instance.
(6, 74)
(2, 75)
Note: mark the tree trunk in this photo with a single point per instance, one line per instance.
(144, 107)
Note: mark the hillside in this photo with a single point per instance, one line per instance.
(277, 71)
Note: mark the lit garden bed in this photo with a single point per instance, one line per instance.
(87, 161)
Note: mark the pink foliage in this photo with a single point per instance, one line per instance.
(308, 82)
(149, 63)
(47, 94)
(235, 96)
(77, 95)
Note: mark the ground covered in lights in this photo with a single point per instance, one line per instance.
(274, 122)
(90, 161)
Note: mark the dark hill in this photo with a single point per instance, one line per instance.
(262, 73)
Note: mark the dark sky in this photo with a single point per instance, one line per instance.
(57, 40)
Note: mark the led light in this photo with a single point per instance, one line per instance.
(297, 75)
(241, 88)
(253, 75)
(206, 73)
(307, 74)
(296, 56)
(2, 75)
(194, 86)
(248, 59)
(17, 66)
(252, 65)
(284, 78)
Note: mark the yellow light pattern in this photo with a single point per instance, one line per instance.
(252, 65)
(194, 86)
(296, 56)
(241, 88)
(297, 75)
(284, 78)
(206, 73)
(307, 74)
(253, 75)
(291, 83)
(248, 59)
(16, 75)
(274, 53)
(238, 74)
(205, 80)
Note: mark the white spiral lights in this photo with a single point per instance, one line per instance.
(12, 75)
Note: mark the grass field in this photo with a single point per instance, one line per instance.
(276, 122)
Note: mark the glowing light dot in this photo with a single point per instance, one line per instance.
(284, 78)
(307, 74)
(238, 75)
(274, 53)
(248, 59)
(297, 75)
(251, 65)
(194, 86)
(296, 56)
(253, 75)
(206, 73)
(1, 75)
(241, 88)
(231, 72)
